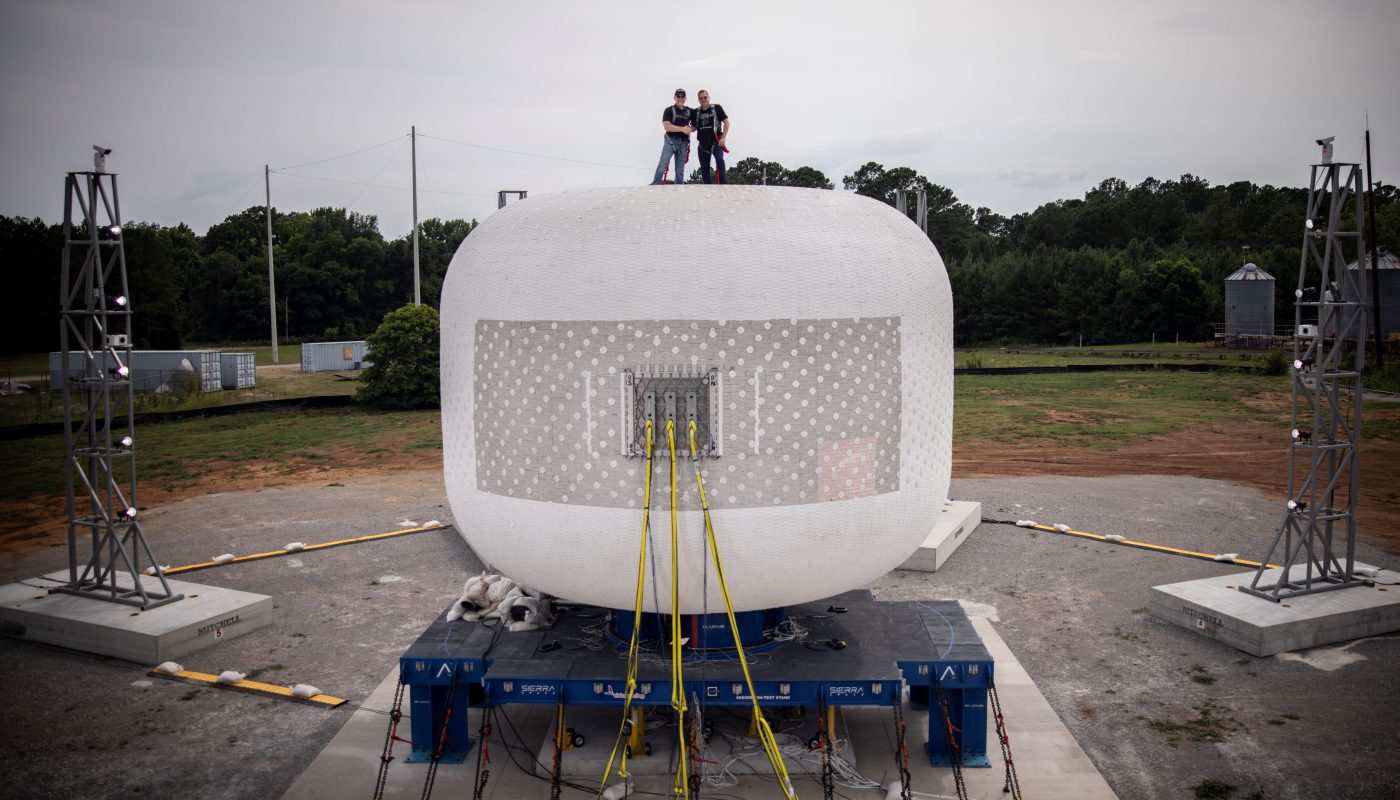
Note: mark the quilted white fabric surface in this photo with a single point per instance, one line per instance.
(827, 319)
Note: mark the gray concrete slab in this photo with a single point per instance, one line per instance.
(956, 522)
(1156, 709)
(1214, 607)
(204, 617)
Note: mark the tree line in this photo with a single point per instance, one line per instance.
(1122, 264)
(337, 276)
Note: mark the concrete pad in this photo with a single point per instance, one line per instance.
(1215, 607)
(957, 521)
(1047, 756)
(205, 617)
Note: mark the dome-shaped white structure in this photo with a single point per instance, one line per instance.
(815, 327)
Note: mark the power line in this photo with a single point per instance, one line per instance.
(533, 155)
(343, 155)
(360, 193)
(377, 185)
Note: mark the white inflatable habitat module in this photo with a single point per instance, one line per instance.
(808, 332)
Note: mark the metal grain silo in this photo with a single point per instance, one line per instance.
(1249, 302)
(1389, 279)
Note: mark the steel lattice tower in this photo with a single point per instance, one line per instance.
(99, 433)
(1316, 542)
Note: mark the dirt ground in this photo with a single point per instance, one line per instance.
(1250, 454)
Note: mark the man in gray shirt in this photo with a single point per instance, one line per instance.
(677, 120)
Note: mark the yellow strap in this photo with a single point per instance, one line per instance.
(1161, 548)
(765, 732)
(322, 546)
(681, 784)
(273, 689)
(634, 646)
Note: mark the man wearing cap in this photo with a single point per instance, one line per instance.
(677, 121)
(711, 125)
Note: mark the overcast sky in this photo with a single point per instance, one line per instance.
(1010, 104)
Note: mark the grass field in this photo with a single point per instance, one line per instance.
(182, 453)
(1101, 411)
(1060, 358)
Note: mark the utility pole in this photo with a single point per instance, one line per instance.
(1375, 262)
(417, 292)
(271, 281)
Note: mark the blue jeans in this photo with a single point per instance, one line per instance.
(705, 163)
(679, 149)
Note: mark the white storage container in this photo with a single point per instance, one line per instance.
(151, 370)
(239, 370)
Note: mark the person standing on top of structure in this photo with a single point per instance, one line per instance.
(712, 125)
(676, 120)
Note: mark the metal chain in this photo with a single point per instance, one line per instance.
(696, 743)
(483, 756)
(824, 743)
(395, 714)
(559, 733)
(954, 750)
(902, 753)
(436, 757)
(1013, 784)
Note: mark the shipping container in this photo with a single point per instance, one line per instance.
(334, 356)
(151, 370)
(239, 370)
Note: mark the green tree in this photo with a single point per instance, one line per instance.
(155, 282)
(403, 353)
(1165, 298)
(951, 223)
(32, 253)
(228, 300)
(754, 172)
(438, 241)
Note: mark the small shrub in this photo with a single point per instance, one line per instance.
(1276, 363)
(403, 353)
(1385, 380)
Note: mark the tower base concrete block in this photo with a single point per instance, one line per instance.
(206, 616)
(1216, 608)
(957, 521)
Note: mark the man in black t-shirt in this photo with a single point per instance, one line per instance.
(712, 125)
(677, 120)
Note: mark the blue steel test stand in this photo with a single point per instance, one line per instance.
(862, 656)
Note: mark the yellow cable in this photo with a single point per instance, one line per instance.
(1161, 548)
(373, 537)
(681, 785)
(633, 646)
(765, 732)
